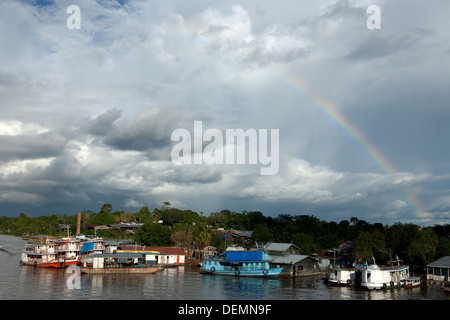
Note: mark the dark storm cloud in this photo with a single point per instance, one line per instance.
(44, 145)
(148, 132)
(378, 46)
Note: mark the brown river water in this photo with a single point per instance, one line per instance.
(180, 283)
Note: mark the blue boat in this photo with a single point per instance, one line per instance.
(241, 264)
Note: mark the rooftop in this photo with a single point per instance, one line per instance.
(443, 262)
(279, 247)
(161, 250)
(291, 258)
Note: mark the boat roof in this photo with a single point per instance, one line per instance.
(161, 250)
(117, 255)
(243, 255)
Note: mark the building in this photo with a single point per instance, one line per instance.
(127, 227)
(288, 257)
(296, 265)
(166, 256)
(96, 227)
(281, 249)
(439, 270)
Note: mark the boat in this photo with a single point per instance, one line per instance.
(107, 263)
(240, 264)
(341, 276)
(384, 277)
(51, 252)
(412, 282)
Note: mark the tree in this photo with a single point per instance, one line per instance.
(400, 236)
(144, 215)
(182, 238)
(329, 241)
(153, 234)
(354, 221)
(424, 247)
(107, 208)
(255, 218)
(217, 219)
(102, 218)
(305, 242)
(201, 235)
(371, 244)
(262, 233)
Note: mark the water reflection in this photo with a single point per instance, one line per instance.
(229, 287)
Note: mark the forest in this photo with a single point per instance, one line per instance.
(168, 226)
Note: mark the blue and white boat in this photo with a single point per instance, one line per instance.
(241, 264)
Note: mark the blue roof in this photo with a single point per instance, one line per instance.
(87, 246)
(243, 255)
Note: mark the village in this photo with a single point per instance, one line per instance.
(337, 266)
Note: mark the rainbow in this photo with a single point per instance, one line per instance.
(333, 113)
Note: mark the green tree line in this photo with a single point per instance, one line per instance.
(166, 226)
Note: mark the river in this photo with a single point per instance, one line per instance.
(179, 283)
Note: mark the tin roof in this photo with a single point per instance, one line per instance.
(443, 262)
(161, 250)
(291, 258)
(280, 247)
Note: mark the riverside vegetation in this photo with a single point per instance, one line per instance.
(415, 245)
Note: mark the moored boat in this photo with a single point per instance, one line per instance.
(384, 277)
(119, 263)
(50, 252)
(240, 264)
(412, 282)
(341, 276)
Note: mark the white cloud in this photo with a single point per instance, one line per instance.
(90, 111)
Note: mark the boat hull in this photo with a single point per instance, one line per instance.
(384, 277)
(339, 283)
(118, 270)
(50, 264)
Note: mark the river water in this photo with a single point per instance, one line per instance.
(180, 283)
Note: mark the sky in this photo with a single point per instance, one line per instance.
(88, 112)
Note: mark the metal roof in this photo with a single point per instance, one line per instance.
(243, 233)
(281, 247)
(443, 262)
(291, 258)
(126, 225)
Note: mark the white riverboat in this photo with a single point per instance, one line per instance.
(384, 277)
(341, 276)
(50, 252)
